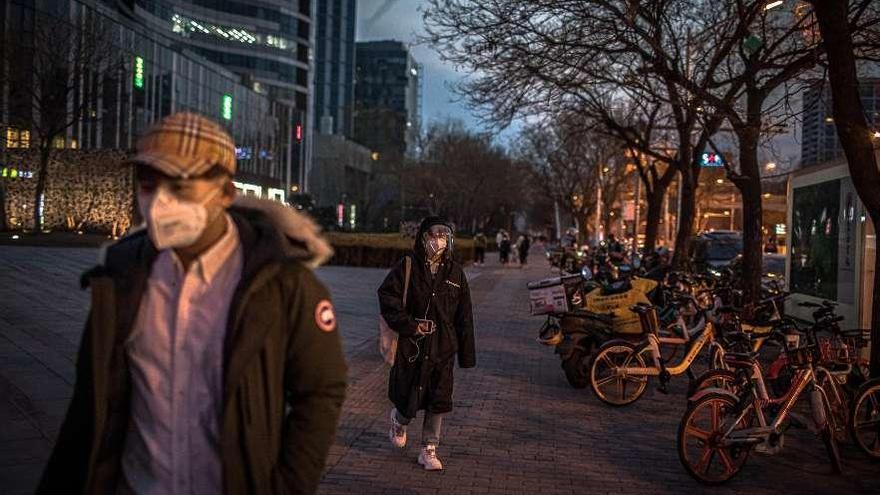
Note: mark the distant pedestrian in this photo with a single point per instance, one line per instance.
(480, 244)
(434, 326)
(211, 361)
(499, 238)
(504, 249)
(514, 252)
(524, 245)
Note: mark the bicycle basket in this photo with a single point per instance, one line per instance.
(801, 356)
(843, 349)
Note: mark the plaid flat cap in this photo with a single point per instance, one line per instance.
(186, 145)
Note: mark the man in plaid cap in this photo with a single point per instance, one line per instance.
(210, 362)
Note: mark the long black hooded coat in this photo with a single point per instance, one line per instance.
(421, 377)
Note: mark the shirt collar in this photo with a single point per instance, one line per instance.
(209, 263)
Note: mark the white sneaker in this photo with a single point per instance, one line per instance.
(428, 458)
(397, 432)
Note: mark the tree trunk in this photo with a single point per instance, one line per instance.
(852, 129)
(749, 186)
(681, 258)
(45, 153)
(654, 198)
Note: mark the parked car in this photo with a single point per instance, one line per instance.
(717, 249)
(772, 273)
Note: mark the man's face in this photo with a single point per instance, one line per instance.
(193, 190)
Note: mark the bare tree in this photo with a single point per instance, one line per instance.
(567, 164)
(842, 34)
(52, 71)
(535, 58)
(640, 123)
(466, 177)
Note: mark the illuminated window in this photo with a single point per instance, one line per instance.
(58, 142)
(226, 107)
(184, 26)
(73, 144)
(18, 138)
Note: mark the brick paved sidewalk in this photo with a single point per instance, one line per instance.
(517, 426)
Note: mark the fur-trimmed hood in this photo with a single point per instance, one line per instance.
(302, 233)
(277, 231)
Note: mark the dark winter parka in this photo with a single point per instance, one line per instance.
(284, 371)
(421, 377)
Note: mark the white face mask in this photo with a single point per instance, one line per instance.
(173, 222)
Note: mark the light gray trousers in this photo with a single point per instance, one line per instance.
(430, 426)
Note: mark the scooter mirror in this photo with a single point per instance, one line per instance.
(586, 273)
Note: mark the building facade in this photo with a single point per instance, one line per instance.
(387, 98)
(266, 42)
(139, 75)
(819, 142)
(341, 188)
(334, 67)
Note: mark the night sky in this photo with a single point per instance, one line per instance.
(402, 20)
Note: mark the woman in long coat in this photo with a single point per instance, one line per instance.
(435, 326)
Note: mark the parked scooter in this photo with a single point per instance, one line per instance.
(583, 314)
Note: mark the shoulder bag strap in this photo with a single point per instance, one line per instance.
(408, 261)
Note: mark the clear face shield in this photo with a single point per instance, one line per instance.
(438, 240)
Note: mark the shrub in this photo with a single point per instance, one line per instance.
(383, 250)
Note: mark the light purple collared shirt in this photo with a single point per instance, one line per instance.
(175, 353)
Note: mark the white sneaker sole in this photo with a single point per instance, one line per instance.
(392, 437)
(394, 442)
(428, 468)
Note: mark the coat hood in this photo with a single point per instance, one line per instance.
(268, 230)
(301, 235)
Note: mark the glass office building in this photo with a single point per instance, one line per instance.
(266, 42)
(388, 98)
(334, 67)
(819, 142)
(147, 76)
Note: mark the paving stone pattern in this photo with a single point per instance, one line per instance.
(517, 426)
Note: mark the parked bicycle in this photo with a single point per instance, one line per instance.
(619, 370)
(719, 429)
(865, 425)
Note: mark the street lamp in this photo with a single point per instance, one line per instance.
(719, 181)
(773, 4)
(766, 195)
(771, 166)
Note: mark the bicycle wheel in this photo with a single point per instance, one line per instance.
(610, 386)
(723, 379)
(829, 437)
(840, 411)
(865, 425)
(701, 449)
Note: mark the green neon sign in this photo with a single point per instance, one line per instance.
(139, 72)
(226, 107)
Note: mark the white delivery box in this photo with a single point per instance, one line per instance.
(548, 296)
